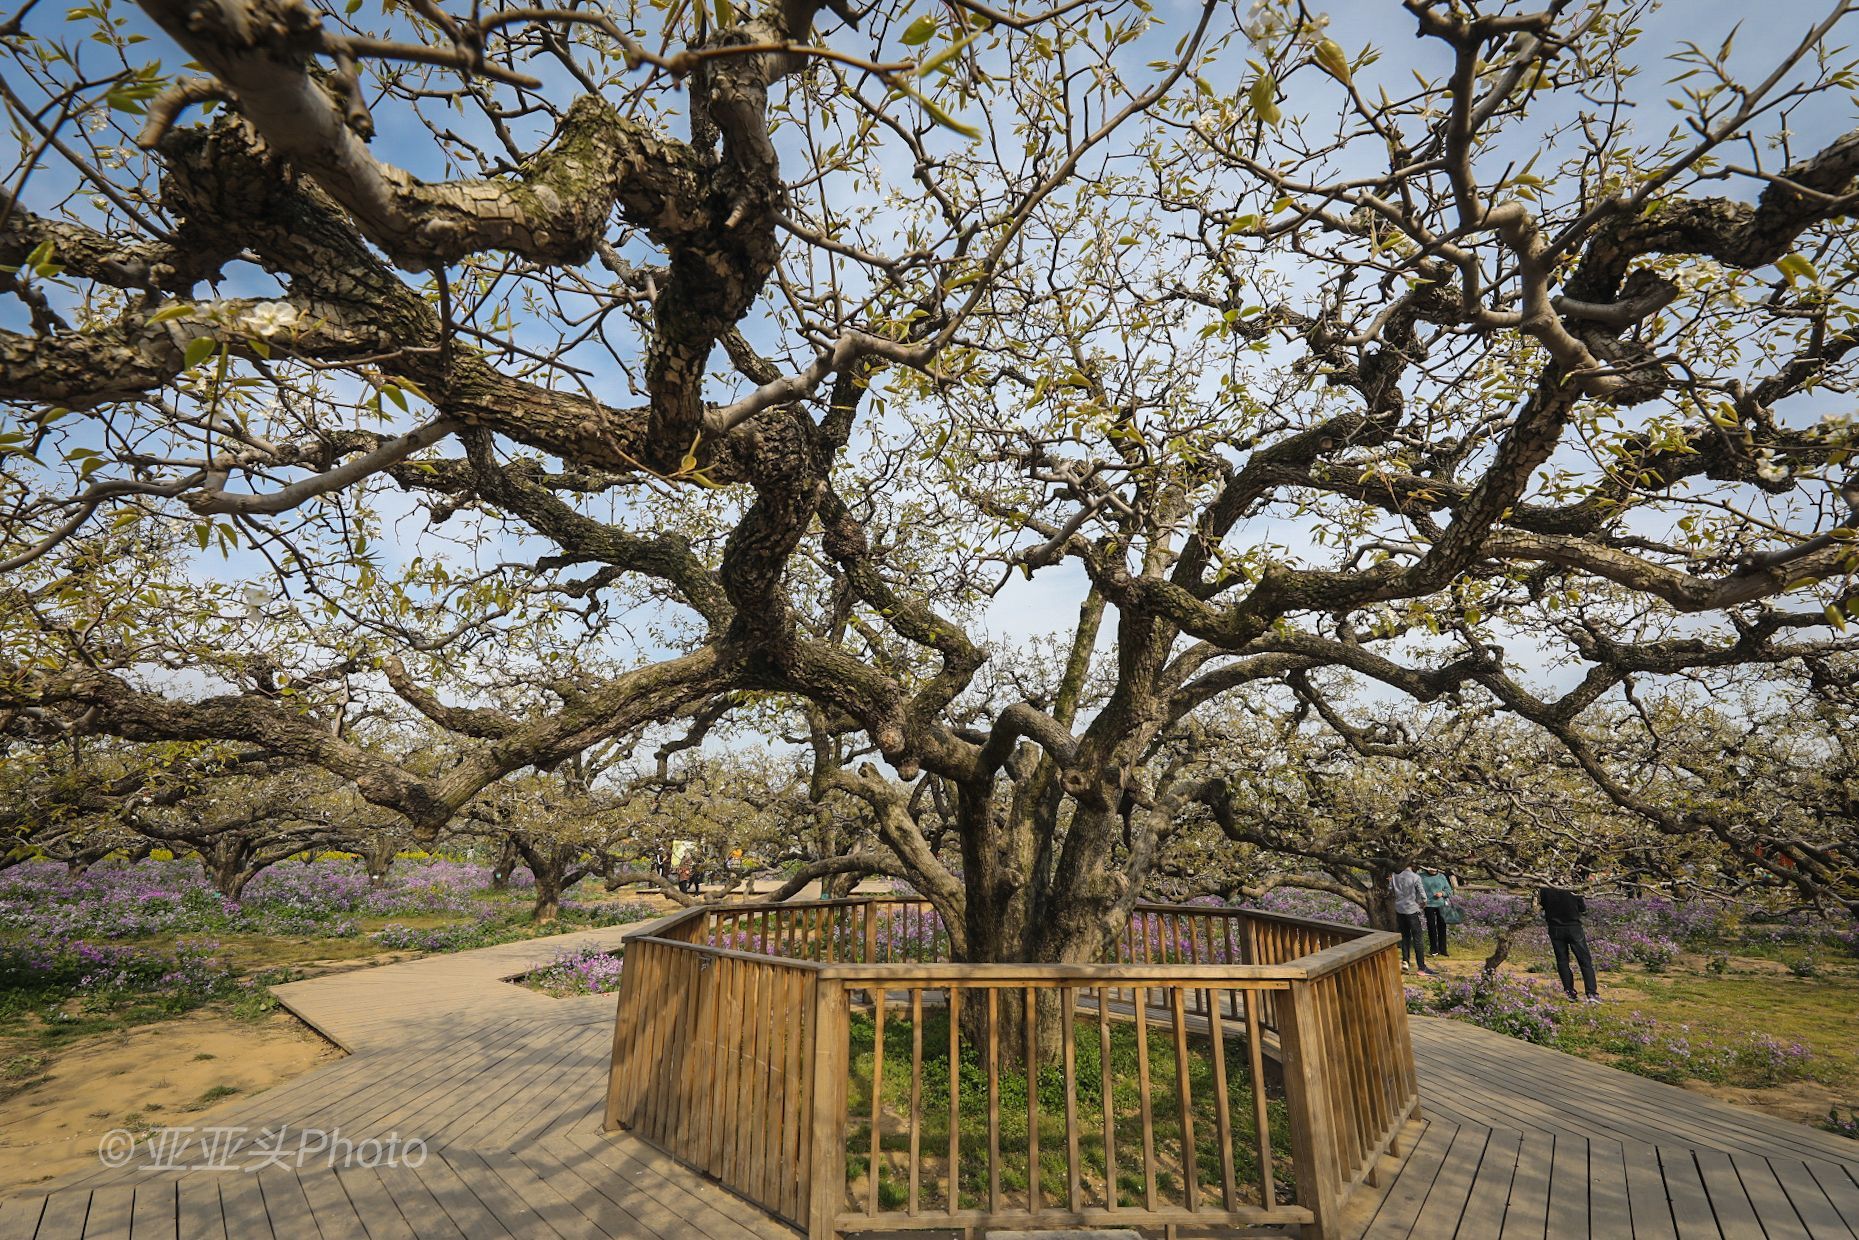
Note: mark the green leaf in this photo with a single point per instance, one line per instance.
(1835, 617)
(947, 54)
(725, 14)
(1331, 59)
(173, 310)
(199, 349)
(1263, 96)
(918, 32)
(1796, 266)
(937, 114)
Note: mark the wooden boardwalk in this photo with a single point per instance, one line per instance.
(504, 1086)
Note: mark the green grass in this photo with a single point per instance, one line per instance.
(1719, 997)
(1049, 1084)
(215, 1094)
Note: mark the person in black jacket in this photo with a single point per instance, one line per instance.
(1562, 911)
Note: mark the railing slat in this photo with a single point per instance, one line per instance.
(1032, 1099)
(1223, 1120)
(1142, 1076)
(994, 1108)
(1190, 1161)
(877, 1098)
(955, 1100)
(1261, 1106)
(916, 1096)
(1068, 1043)
(1110, 1108)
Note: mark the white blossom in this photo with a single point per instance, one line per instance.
(268, 318)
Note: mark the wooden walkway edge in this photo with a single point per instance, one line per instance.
(503, 1087)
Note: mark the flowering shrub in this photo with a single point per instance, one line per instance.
(578, 971)
(1642, 1046)
(1537, 1012)
(45, 974)
(1500, 1002)
(1317, 905)
(1845, 1127)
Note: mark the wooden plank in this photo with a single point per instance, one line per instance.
(1836, 1181)
(521, 1217)
(1684, 1188)
(715, 1210)
(242, 1205)
(64, 1215)
(381, 1216)
(1610, 1210)
(110, 1212)
(1811, 1206)
(156, 1211)
(418, 1207)
(1487, 1203)
(199, 1213)
(285, 1203)
(1568, 1187)
(461, 1205)
(19, 1216)
(1646, 1195)
(1445, 1203)
(1526, 1209)
(1774, 1212)
(583, 1184)
(336, 1217)
(1408, 1194)
(1729, 1202)
(556, 1209)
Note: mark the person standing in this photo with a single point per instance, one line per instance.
(1410, 896)
(1562, 912)
(1438, 885)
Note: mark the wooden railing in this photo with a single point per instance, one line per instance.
(826, 1061)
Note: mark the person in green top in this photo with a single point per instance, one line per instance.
(1439, 897)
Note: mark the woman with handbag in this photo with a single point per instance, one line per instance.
(1439, 910)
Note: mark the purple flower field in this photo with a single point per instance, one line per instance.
(87, 937)
(1537, 1011)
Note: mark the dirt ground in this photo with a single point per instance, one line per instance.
(54, 1107)
(1804, 1102)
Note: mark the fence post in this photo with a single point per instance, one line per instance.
(827, 1150)
(1307, 1097)
(871, 932)
(620, 1063)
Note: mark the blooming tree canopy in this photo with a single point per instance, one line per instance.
(558, 374)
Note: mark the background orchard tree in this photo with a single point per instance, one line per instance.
(693, 360)
(1753, 777)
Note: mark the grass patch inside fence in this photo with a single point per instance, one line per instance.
(1166, 1127)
